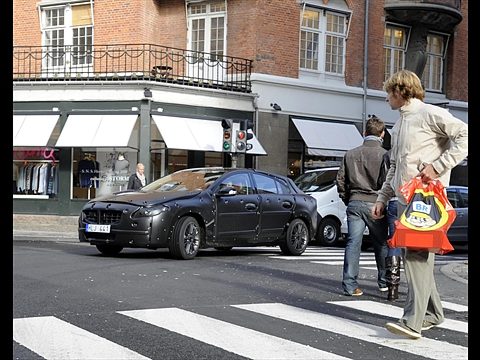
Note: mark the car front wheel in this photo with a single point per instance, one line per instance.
(328, 232)
(109, 250)
(185, 242)
(297, 238)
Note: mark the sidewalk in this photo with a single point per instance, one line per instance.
(64, 228)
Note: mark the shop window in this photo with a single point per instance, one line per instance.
(101, 172)
(35, 173)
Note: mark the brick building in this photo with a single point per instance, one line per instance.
(150, 81)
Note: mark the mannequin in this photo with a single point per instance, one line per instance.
(121, 165)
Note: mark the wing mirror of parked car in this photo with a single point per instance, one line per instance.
(226, 191)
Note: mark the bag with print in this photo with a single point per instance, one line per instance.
(425, 222)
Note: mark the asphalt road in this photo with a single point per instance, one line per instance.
(72, 303)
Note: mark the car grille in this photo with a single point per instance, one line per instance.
(102, 216)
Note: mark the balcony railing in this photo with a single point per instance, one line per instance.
(131, 62)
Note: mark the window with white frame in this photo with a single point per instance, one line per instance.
(67, 35)
(432, 77)
(395, 46)
(322, 41)
(207, 33)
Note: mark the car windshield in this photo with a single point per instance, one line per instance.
(316, 180)
(185, 180)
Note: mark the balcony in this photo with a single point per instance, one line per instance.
(131, 62)
(440, 15)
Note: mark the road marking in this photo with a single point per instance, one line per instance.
(425, 347)
(54, 339)
(396, 312)
(236, 339)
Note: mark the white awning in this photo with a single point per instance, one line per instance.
(33, 130)
(197, 134)
(99, 131)
(324, 138)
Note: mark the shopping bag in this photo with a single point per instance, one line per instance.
(428, 216)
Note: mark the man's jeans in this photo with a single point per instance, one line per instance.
(359, 215)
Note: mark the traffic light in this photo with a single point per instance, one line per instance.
(246, 125)
(227, 125)
(241, 140)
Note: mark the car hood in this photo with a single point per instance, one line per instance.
(144, 199)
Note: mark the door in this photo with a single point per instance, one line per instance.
(276, 208)
(237, 214)
(207, 40)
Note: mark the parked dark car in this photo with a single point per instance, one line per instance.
(458, 232)
(201, 208)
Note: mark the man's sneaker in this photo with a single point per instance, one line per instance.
(356, 292)
(427, 325)
(383, 288)
(403, 330)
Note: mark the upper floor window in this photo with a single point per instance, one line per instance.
(432, 77)
(67, 34)
(395, 45)
(206, 22)
(322, 41)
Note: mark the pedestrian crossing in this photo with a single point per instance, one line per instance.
(54, 338)
(334, 256)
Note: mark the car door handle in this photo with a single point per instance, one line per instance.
(287, 204)
(250, 206)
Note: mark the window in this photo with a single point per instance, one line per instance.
(68, 36)
(395, 45)
(207, 28)
(464, 195)
(265, 185)
(322, 41)
(241, 183)
(432, 78)
(35, 173)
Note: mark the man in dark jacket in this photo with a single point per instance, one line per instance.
(359, 178)
(137, 180)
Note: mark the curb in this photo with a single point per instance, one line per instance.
(449, 271)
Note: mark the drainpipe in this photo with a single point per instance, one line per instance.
(365, 69)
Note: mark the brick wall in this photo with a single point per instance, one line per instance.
(26, 25)
(266, 31)
(457, 63)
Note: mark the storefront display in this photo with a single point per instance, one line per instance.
(101, 172)
(35, 173)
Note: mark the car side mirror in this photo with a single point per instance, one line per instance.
(226, 191)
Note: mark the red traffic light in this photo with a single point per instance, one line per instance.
(241, 135)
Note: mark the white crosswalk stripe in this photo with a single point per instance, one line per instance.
(396, 312)
(429, 348)
(334, 256)
(212, 331)
(53, 338)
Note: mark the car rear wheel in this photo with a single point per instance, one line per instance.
(328, 232)
(109, 250)
(186, 239)
(297, 238)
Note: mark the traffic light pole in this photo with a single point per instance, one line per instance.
(234, 160)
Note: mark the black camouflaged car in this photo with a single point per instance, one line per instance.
(201, 208)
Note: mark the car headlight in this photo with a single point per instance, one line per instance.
(147, 212)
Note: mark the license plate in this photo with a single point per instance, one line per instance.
(98, 228)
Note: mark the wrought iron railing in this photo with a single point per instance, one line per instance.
(131, 62)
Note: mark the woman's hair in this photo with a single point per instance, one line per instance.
(407, 83)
